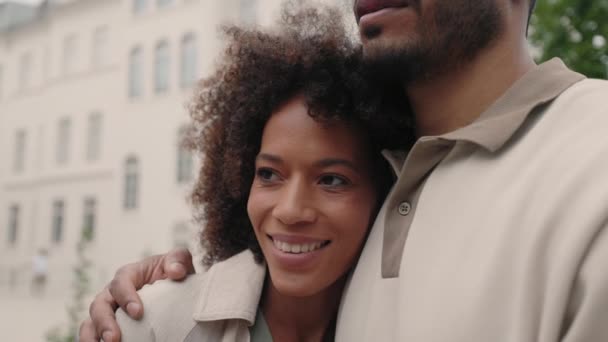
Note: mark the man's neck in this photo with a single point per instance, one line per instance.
(301, 318)
(458, 97)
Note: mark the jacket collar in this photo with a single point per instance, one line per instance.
(231, 290)
(499, 122)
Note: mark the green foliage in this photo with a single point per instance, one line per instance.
(81, 284)
(574, 30)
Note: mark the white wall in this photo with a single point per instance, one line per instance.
(146, 127)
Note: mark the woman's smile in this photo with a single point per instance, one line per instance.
(296, 244)
(293, 256)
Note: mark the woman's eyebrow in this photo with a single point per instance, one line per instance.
(269, 158)
(336, 161)
(327, 162)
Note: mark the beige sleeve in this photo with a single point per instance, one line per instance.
(134, 331)
(587, 317)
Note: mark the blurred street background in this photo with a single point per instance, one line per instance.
(93, 97)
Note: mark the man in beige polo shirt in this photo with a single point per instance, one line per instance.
(497, 227)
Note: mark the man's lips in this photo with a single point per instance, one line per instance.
(364, 7)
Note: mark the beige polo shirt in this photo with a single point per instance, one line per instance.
(497, 231)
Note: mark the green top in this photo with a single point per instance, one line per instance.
(259, 330)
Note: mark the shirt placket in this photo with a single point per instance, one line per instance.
(401, 203)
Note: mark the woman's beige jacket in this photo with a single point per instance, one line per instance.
(218, 305)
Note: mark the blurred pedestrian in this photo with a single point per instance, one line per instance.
(40, 268)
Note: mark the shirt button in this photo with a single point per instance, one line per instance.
(404, 208)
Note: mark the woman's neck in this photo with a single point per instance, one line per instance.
(301, 319)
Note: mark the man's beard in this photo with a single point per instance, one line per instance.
(453, 35)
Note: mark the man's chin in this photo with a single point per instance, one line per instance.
(377, 51)
(387, 62)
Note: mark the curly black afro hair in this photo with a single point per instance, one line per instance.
(310, 53)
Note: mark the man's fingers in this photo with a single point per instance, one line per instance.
(123, 288)
(122, 291)
(103, 318)
(87, 332)
(177, 264)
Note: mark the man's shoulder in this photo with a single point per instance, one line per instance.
(588, 91)
(168, 310)
(172, 309)
(183, 298)
(581, 107)
(169, 292)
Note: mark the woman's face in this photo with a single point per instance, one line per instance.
(312, 199)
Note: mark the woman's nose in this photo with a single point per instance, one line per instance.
(295, 204)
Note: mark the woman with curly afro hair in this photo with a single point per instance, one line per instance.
(292, 178)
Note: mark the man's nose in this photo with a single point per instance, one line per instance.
(295, 204)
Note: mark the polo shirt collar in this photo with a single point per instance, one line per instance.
(231, 290)
(496, 125)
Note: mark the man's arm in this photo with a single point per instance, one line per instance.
(122, 292)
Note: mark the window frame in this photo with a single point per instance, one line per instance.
(20, 151)
(14, 214)
(164, 3)
(136, 72)
(184, 161)
(162, 67)
(94, 136)
(188, 60)
(99, 51)
(58, 221)
(131, 183)
(89, 218)
(69, 54)
(1, 81)
(25, 67)
(248, 11)
(139, 6)
(64, 135)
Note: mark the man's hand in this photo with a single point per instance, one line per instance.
(121, 291)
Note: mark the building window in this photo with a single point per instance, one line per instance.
(136, 72)
(46, 63)
(161, 67)
(184, 159)
(89, 218)
(94, 136)
(19, 152)
(25, 70)
(13, 224)
(248, 11)
(58, 221)
(100, 47)
(69, 54)
(181, 235)
(131, 183)
(63, 141)
(189, 61)
(139, 6)
(163, 3)
(1, 81)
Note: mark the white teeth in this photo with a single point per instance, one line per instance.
(296, 248)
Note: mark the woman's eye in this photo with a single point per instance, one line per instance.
(266, 175)
(333, 180)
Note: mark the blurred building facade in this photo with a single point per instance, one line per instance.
(93, 98)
